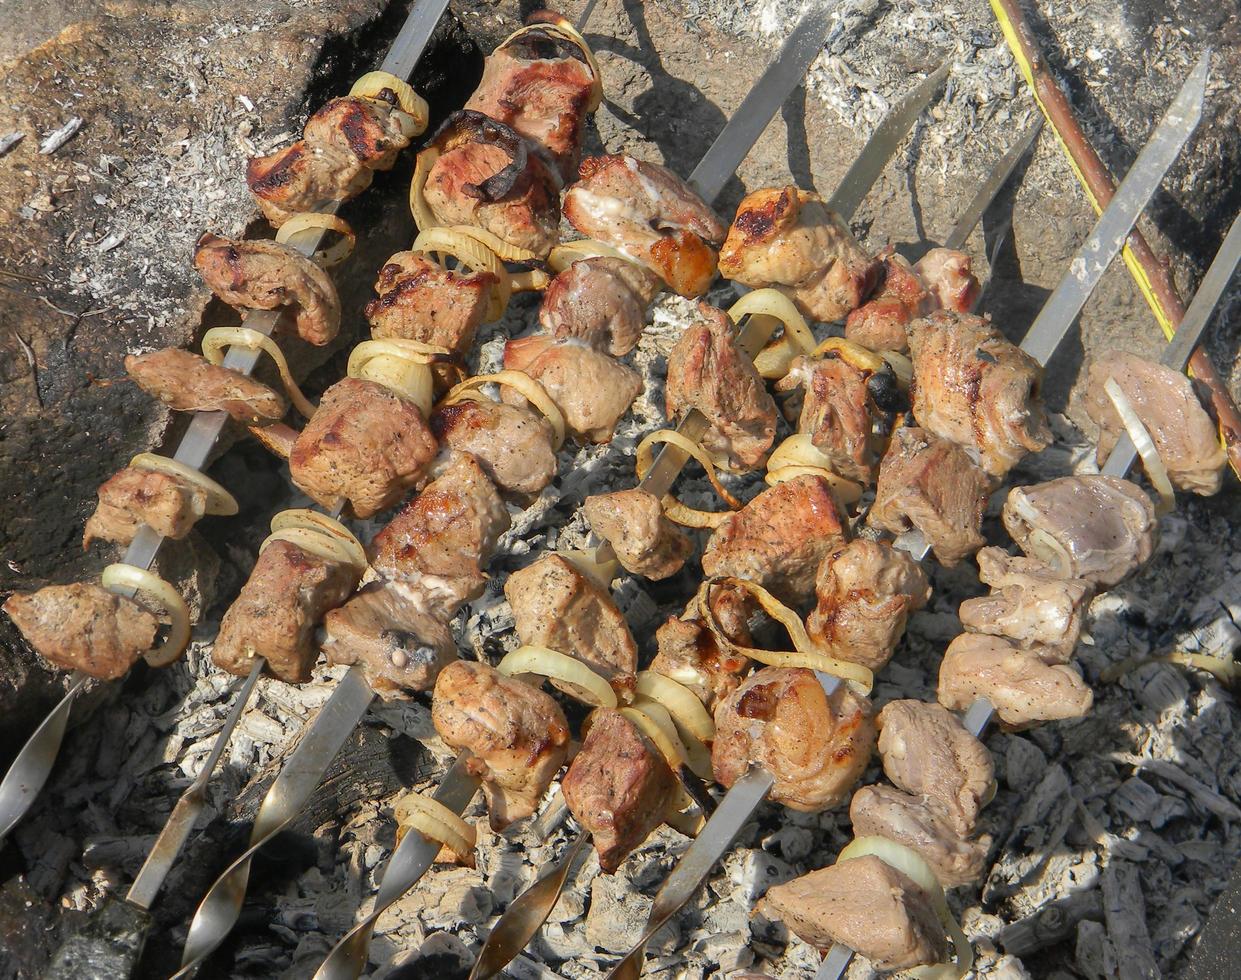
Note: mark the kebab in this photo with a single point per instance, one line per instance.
(663, 908)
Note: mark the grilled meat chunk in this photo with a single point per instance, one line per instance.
(486, 176)
(974, 387)
(555, 605)
(440, 540)
(633, 523)
(83, 627)
(591, 389)
(1168, 406)
(601, 301)
(1022, 686)
(540, 85)
(881, 322)
(651, 215)
(689, 653)
(135, 496)
(1027, 604)
(513, 445)
(344, 143)
(421, 300)
(618, 787)
(515, 736)
(275, 615)
(189, 382)
(709, 372)
(385, 627)
(928, 752)
(866, 591)
(260, 275)
(919, 824)
(779, 538)
(929, 483)
(1096, 528)
(948, 277)
(365, 443)
(839, 414)
(814, 744)
(866, 905)
(787, 238)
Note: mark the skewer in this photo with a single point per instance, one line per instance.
(522, 919)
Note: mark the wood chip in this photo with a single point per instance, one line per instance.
(58, 138)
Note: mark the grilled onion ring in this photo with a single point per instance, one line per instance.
(1152, 462)
(371, 86)
(310, 220)
(335, 538)
(806, 653)
(799, 456)
(561, 667)
(853, 354)
(675, 509)
(400, 365)
(562, 27)
(565, 254)
(152, 591)
(218, 500)
(521, 383)
(217, 339)
(677, 749)
(686, 710)
(473, 254)
(436, 823)
(773, 361)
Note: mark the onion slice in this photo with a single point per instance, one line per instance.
(587, 562)
(324, 527)
(151, 591)
(685, 749)
(806, 653)
(912, 866)
(521, 383)
(424, 217)
(853, 354)
(436, 823)
(565, 254)
(656, 724)
(680, 815)
(560, 667)
(680, 701)
(218, 500)
(305, 221)
(774, 360)
(401, 365)
(1152, 462)
(674, 509)
(218, 339)
(473, 254)
(372, 84)
(799, 456)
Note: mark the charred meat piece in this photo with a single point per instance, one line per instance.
(929, 483)
(556, 606)
(288, 592)
(345, 142)
(440, 540)
(974, 387)
(948, 277)
(919, 824)
(1096, 528)
(513, 445)
(1027, 604)
(618, 787)
(651, 215)
(816, 745)
(486, 176)
(633, 523)
(365, 443)
(601, 301)
(261, 275)
(709, 372)
(1022, 686)
(591, 389)
(881, 322)
(839, 413)
(787, 238)
(928, 752)
(385, 627)
(779, 538)
(866, 905)
(866, 591)
(83, 627)
(421, 300)
(135, 496)
(515, 736)
(1168, 406)
(189, 382)
(689, 653)
(541, 86)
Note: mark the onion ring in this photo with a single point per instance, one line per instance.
(799, 456)
(311, 220)
(561, 667)
(565, 254)
(853, 354)
(371, 86)
(525, 386)
(674, 508)
(1152, 462)
(474, 255)
(562, 27)
(325, 527)
(217, 339)
(773, 361)
(151, 590)
(218, 500)
(400, 365)
(686, 710)
(436, 823)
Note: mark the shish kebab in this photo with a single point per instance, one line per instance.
(30, 769)
(244, 857)
(526, 913)
(662, 903)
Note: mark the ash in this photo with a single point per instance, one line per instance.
(1114, 834)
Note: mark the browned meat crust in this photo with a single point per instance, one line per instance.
(189, 382)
